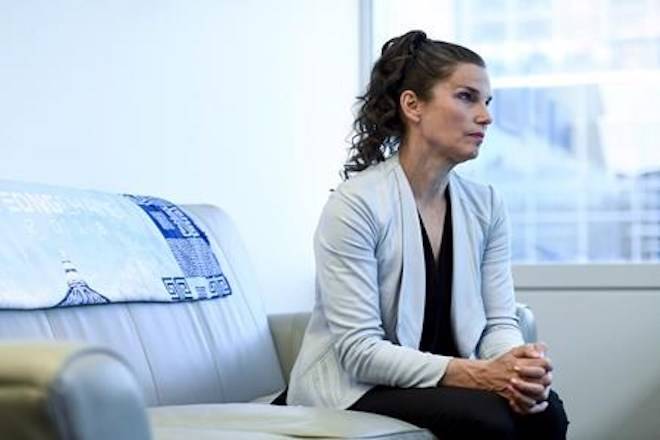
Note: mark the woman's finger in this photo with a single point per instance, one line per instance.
(530, 371)
(522, 410)
(547, 380)
(544, 363)
(546, 393)
(530, 389)
(526, 351)
(514, 406)
(539, 407)
(522, 400)
(540, 347)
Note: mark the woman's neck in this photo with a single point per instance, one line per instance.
(427, 173)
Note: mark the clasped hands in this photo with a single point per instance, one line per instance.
(524, 376)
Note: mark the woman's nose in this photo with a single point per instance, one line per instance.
(484, 117)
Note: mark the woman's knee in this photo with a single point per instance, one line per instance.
(495, 419)
(496, 426)
(556, 420)
(551, 424)
(482, 415)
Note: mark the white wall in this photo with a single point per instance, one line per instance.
(244, 104)
(605, 344)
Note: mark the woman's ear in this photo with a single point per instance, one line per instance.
(410, 106)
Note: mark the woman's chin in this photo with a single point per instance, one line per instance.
(471, 154)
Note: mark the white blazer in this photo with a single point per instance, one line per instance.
(367, 322)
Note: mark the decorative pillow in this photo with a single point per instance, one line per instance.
(68, 247)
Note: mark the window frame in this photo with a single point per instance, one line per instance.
(581, 276)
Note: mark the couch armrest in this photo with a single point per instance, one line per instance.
(288, 330)
(64, 391)
(526, 322)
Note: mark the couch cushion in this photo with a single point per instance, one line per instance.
(202, 434)
(260, 421)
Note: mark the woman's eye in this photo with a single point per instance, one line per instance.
(466, 96)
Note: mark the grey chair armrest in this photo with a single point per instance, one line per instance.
(526, 322)
(288, 330)
(64, 391)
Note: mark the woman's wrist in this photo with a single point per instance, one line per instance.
(465, 373)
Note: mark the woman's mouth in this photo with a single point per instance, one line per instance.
(478, 136)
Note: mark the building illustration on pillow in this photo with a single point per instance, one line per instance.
(78, 292)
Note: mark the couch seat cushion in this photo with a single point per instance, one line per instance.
(261, 421)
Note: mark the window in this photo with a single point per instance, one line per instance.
(574, 148)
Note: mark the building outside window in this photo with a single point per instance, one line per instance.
(575, 146)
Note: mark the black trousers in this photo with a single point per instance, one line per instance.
(461, 413)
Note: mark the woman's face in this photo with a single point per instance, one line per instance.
(453, 122)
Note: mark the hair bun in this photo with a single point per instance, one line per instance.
(417, 38)
(406, 43)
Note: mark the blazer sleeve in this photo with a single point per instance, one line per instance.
(502, 331)
(347, 276)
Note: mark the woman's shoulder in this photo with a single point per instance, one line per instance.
(481, 198)
(371, 185)
(471, 187)
(369, 194)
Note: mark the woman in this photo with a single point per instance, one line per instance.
(415, 309)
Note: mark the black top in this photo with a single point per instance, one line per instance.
(437, 333)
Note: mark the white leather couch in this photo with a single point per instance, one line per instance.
(189, 370)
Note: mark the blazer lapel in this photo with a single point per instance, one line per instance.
(412, 294)
(467, 313)
(468, 319)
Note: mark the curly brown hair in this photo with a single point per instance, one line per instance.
(409, 62)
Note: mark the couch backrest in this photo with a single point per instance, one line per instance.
(218, 350)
